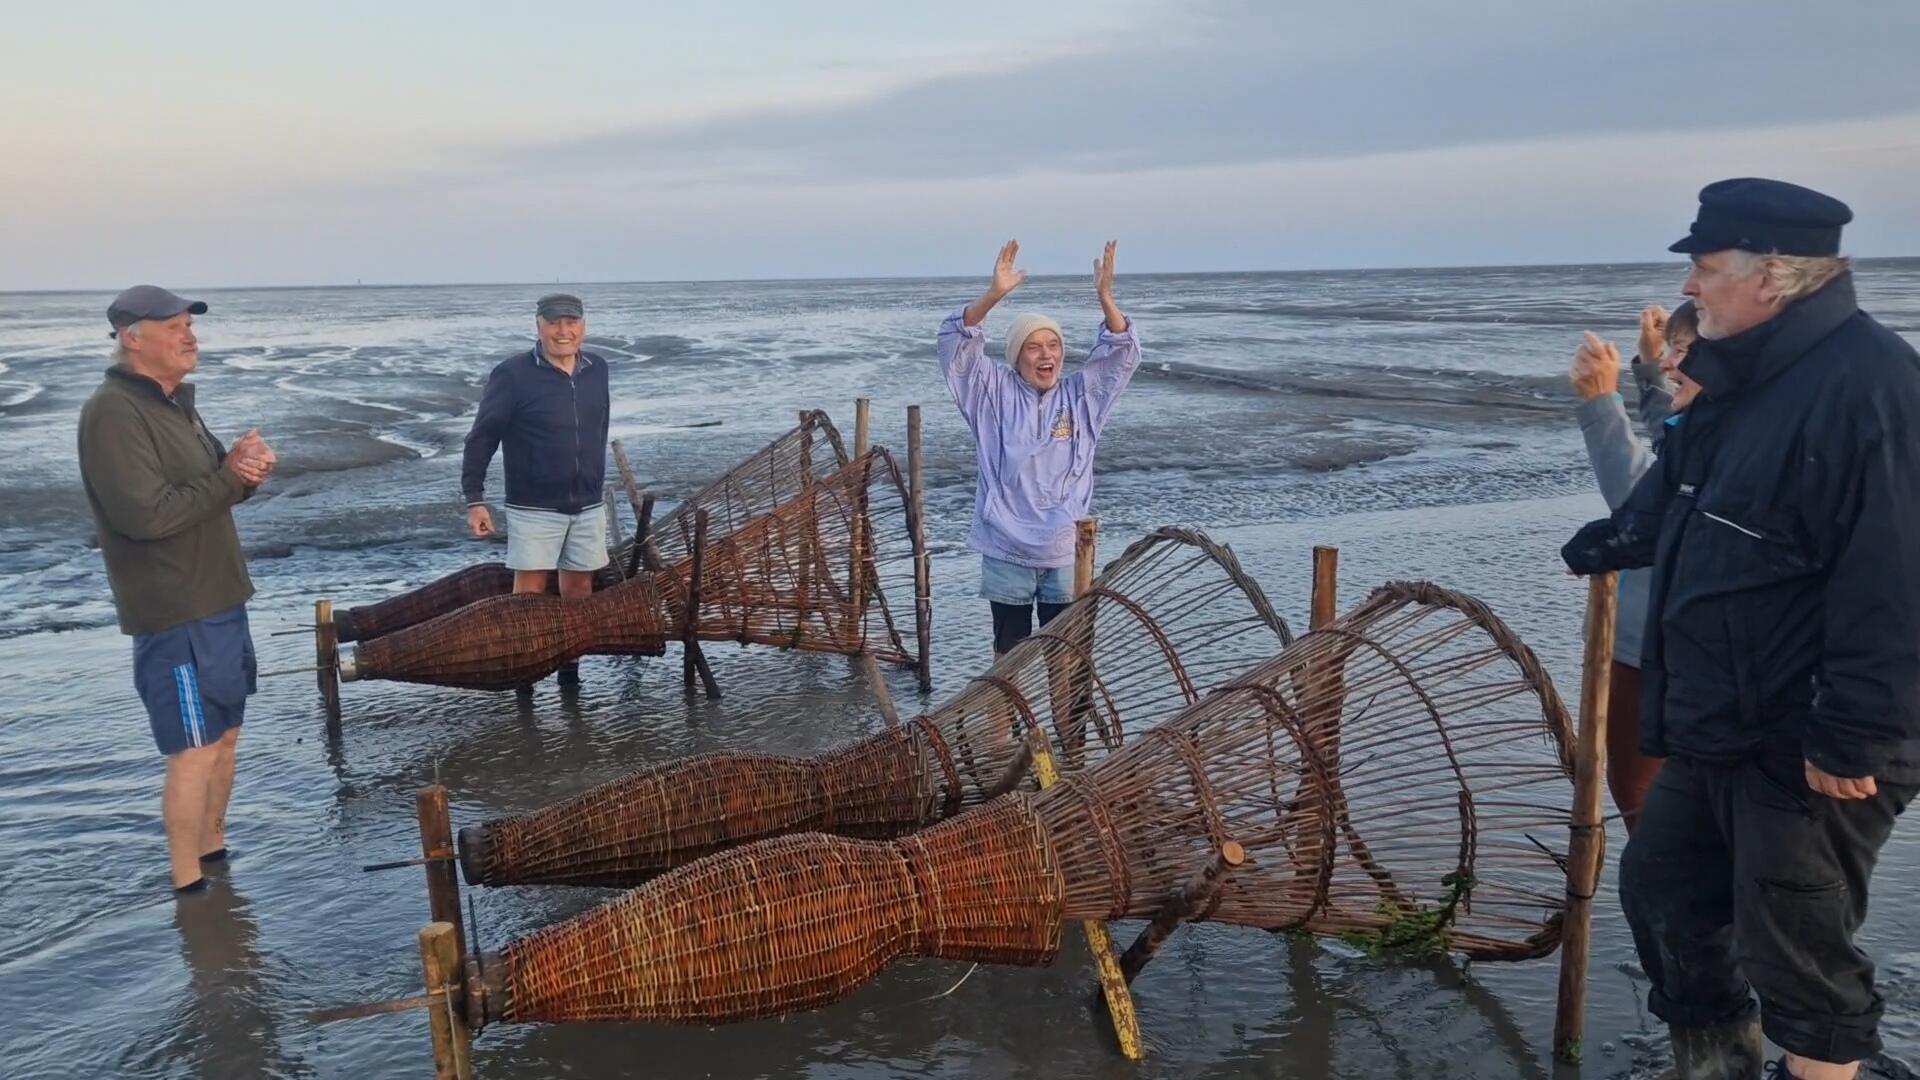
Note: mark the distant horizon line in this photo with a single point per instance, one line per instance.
(358, 284)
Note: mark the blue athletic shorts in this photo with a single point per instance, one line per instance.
(195, 679)
(1003, 582)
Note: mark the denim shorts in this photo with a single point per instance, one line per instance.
(195, 678)
(1003, 582)
(551, 540)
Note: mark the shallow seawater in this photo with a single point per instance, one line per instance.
(1416, 420)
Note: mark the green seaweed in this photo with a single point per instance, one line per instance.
(1413, 933)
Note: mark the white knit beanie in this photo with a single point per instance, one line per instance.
(1023, 328)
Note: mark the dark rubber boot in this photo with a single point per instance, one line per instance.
(1724, 1052)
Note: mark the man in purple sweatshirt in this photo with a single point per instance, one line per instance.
(1035, 433)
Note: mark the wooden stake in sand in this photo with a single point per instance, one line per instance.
(1588, 843)
(327, 664)
(922, 566)
(1113, 984)
(437, 855)
(440, 963)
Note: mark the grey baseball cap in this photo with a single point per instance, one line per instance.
(143, 302)
(560, 305)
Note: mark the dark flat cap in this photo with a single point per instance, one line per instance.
(1765, 216)
(560, 305)
(143, 302)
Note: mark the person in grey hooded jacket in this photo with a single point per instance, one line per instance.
(1619, 459)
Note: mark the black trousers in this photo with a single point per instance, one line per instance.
(1013, 623)
(1739, 881)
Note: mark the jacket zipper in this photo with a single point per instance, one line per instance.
(1732, 525)
(573, 392)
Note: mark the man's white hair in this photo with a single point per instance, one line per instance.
(1794, 276)
(120, 343)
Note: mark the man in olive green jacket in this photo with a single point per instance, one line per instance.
(162, 489)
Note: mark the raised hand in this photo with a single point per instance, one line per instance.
(1596, 368)
(1653, 334)
(1103, 273)
(1005, 277)
(1103, 288)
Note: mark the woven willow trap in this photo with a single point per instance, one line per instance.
(778, 473)
(1405, 766)
(811, 573)
(1171, 619)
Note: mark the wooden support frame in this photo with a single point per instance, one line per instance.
(1200, 892)
(1587, 846)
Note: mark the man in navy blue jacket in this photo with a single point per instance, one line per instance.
(1782, 649)
(549, 406)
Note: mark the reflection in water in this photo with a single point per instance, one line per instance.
(1332, 1031)
(223, 1023)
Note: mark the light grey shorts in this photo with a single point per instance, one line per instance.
(551, 540)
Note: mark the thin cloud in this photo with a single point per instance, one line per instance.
(1242, 83)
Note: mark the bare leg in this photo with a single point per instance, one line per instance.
(576, 584)
(183, 808)
(531, 580)
(213, 832)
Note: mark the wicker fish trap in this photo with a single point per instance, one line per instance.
(775, 474)
(811, 574)
(1169, 620)
(1400, 774)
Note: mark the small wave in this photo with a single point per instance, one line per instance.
(1382, 384)
(419, 449)
(18, 393)
(1569, 317)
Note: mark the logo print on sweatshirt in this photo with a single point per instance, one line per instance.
(1063, 426)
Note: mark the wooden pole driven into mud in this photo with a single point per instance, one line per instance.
(1113, 986)
(437, 853)
(870, 668)
(1086, 537)
(1069, 674)
(857, 574)
(326, 640)
(693, 661)
(1588, 842)
(642, 512)
(922, 566)
(614, 539)
(441, 965)
(1198, 894)
(1326, 582)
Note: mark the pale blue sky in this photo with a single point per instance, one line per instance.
(240, 144)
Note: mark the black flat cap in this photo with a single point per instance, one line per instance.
(143, 302)
(1765, 216)
(560, 305)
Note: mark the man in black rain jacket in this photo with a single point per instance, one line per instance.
(1782, 655)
